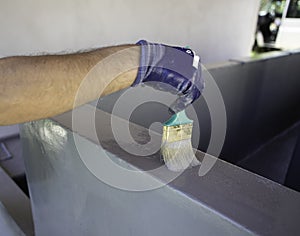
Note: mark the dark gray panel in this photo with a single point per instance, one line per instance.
(261, 98)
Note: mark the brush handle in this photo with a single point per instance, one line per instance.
(179, 118)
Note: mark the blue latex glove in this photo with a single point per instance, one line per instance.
(172, 69)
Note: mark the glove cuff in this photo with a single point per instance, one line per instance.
(141, 69)
(151, 54)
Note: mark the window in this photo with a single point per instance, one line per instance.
(294, 9)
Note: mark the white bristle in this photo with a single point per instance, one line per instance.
(179, 155)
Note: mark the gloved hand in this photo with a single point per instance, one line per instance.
(172, 69)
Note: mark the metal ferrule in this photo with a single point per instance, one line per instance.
(177, 133)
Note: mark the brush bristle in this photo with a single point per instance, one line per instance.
(179, 155)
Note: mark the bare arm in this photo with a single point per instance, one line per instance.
(43, 86)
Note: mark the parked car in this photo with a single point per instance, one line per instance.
(278, 26)
(289, 31)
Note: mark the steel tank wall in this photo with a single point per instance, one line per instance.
(71, 195)
(261, 98)
(67, 199)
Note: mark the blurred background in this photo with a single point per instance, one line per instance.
(217, 30)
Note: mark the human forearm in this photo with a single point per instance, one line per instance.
(41, 86)
(38, 87)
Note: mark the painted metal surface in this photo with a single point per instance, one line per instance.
(15, 208)
(8, 226)
(68, 199)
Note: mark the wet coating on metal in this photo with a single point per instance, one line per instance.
(251, 201)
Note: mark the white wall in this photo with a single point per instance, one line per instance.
(218, 30)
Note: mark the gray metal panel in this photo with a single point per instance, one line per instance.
(11, 159)
(68, 200)
(262, 99)
(9, 131)
(16, 203)
(226, 201)
(8, 226)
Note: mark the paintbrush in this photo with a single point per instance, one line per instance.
(176, 149)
